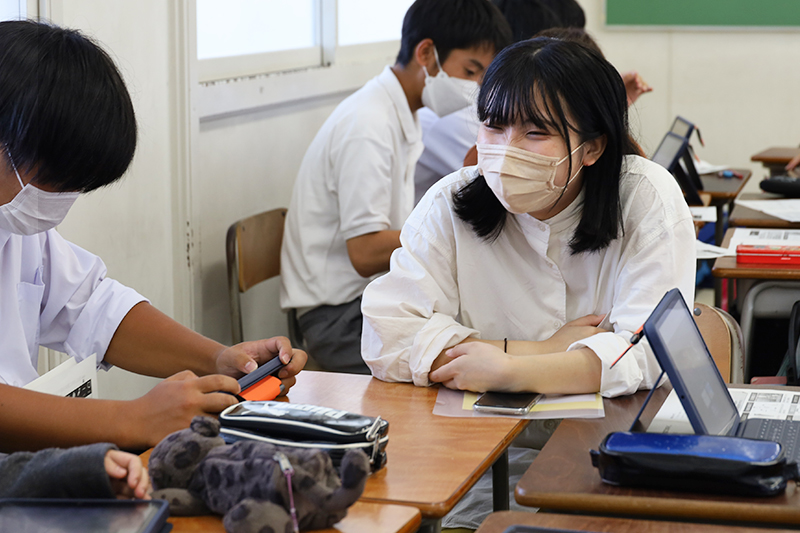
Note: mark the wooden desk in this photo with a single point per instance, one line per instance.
(498, 522)
(723, 192)
(432, 460)
(727, 267)
(775, 159)
(361, 518)
(562, 478)
(749, 218)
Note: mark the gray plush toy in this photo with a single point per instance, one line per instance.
(197, 473)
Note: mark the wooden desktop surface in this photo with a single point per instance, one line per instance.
(498, 522)
(750, 218)
(776, 156)
(361, 518)
(432, 460)
(727, 267)
(562, 478)
(724, 189)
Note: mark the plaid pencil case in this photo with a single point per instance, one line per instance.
(307, 426)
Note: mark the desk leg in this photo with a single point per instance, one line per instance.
(719, 225)
(500, 483)
(430, 525)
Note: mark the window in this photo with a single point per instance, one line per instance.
(15, 9)
(249, 37)
(368, 21)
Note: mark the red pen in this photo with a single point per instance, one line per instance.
(635, 338)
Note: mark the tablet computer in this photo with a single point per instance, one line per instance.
(87, 516)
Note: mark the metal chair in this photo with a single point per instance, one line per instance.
(253, 252)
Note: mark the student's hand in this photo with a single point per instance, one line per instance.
(573, 331)
(793, 163)
(635, 86)
(245, 357)
(129, 478)
(474, 366)
(171, 405)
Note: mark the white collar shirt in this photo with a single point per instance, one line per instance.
(446, 284)
(357, 177)
(447, 140)
(54, 294)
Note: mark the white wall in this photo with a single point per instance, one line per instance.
(739, 86)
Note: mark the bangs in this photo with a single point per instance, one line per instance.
(521, 91)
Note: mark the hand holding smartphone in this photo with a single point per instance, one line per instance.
(506, 403)
(262, 384)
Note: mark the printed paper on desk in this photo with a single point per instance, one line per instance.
(788, 209)
(753, 403)
(704, 214)
(766, 237)
(69, 379)
(709, 251)
(456, 403)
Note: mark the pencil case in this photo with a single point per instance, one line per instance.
(695, 463)
(765, 254)
(307, 426)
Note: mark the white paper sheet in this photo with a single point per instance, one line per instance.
(779, 237)
(754, 403)
(704, 214)
(69, 379)
(709, 251)
(788, 209)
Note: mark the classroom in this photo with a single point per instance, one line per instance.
(222, 135)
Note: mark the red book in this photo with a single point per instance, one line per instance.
(768, 254)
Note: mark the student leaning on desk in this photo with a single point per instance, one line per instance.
(506, 269)
(67, 126)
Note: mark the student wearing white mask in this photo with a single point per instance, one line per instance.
(508, 268)
(67, 127)
(355, 186)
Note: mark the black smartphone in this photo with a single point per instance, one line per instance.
(506, 403)
(270, 368)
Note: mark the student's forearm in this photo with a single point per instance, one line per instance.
(573, 372)
(149, 342)
(32, 420)
(370, 253)
(512, 347)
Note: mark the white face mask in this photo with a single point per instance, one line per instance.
(523, 181)
(443, 94)
(33, 210)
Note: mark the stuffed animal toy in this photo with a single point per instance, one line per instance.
(197, 473)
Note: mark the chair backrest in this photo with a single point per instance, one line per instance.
(717, 334)
(253, 252)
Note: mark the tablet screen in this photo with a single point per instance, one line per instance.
(86, 516)
(682, 353)
(669, 150)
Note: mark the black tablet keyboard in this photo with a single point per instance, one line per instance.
(786, 432)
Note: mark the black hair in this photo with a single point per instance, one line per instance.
(541, 81)
(569, 11)
(572, 34)
(452, 24)
(527, 17)
(65, 113)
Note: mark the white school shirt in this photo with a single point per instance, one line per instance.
(357, 177)
(447, 284)
(54, 294)
(447, 140)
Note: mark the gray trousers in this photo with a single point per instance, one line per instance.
(332, 334)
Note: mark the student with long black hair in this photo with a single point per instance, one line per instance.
(530, 271)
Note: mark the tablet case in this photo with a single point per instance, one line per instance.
(696, 463)
(307, 426)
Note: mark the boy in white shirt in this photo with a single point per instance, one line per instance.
(355, 187)
(67, 126)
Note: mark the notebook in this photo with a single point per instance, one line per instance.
(683, 355)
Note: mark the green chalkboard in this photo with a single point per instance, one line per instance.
(775, 13)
